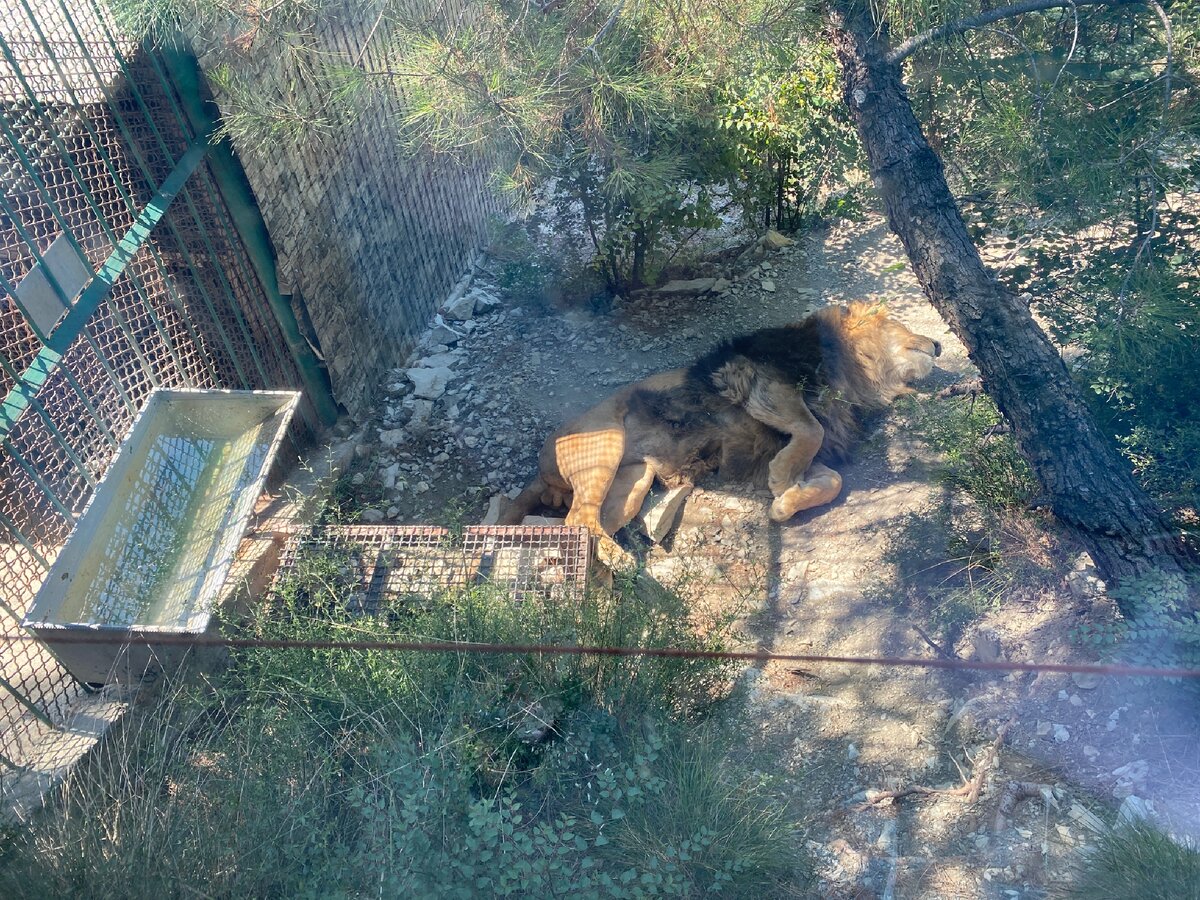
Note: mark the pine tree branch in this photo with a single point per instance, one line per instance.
(906, 49)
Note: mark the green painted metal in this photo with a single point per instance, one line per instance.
(231, 179)
(34, 377)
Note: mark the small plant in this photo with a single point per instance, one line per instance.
(1162, 628)
(980, 457)
(1136, 861)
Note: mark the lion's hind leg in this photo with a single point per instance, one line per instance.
(589, 462)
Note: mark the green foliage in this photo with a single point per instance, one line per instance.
(1139, 324)
(640, 122)
(305, 93)
(1078, 155)
(604, 105)
(793, 141)
(1161, 628)
(1136, 861)
(979, 457)
(321, 773)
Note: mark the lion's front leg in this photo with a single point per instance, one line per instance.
(820, 486)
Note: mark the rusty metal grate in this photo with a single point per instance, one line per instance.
(382, 566)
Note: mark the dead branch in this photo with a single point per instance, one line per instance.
(1014, 793)
(937, 648)
(961, 388)
(969, 790)
(907, 48)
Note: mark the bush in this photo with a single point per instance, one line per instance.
(326, 773)
(1162, 628)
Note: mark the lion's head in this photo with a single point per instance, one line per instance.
(889, 356)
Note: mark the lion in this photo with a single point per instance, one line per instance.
(781, 405)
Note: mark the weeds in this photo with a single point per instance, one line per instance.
(980, 458)
(308, 773)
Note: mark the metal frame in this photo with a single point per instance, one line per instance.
(101, 146)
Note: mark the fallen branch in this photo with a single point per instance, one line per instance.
(1014, 793)
(938, 649)
(961, 388)
(969, 790)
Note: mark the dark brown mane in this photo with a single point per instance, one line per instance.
(838, 356)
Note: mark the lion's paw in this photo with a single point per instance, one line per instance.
(614, 556)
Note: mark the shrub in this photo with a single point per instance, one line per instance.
(979, 457)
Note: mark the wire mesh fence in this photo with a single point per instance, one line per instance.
(121, 271)
(384, 567)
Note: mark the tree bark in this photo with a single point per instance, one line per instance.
(1090, 487)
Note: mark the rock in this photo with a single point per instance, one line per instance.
(421, 411)
(535, 722)
(986, 646)
(1132, 771)
(1061, 735)
(1083, 581)
(721, 285)
(773, 240)
(495, 509)
(1087, 818)
(430, 384)
(389, 475)
(372, 516)
(1135, 809)
(441, 334)
(485, 301)
(768, 286)
(391, 438)
(542, 521)
(1043, 729)
(694, 286)
(461, 308)
(852, 753)
(1086, 681)
(393, 511)
(660, 511)
(440, 360)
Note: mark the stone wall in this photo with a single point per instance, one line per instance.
(371, 240)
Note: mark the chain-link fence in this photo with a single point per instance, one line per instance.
(121, 270)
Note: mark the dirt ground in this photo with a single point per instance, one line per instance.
(1061, 754)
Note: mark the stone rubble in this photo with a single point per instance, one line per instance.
(464, 419)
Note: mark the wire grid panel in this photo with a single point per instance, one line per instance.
(384, 567)
(90, 127)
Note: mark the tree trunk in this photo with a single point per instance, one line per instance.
(1089, 485)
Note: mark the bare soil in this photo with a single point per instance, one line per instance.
(845, 580)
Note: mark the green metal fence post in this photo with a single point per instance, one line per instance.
(234, 186)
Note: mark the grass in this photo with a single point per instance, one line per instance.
(1136, 861)
(307, 773)
(963, 560)
(979, 457)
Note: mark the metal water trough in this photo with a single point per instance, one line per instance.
(153, 547)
